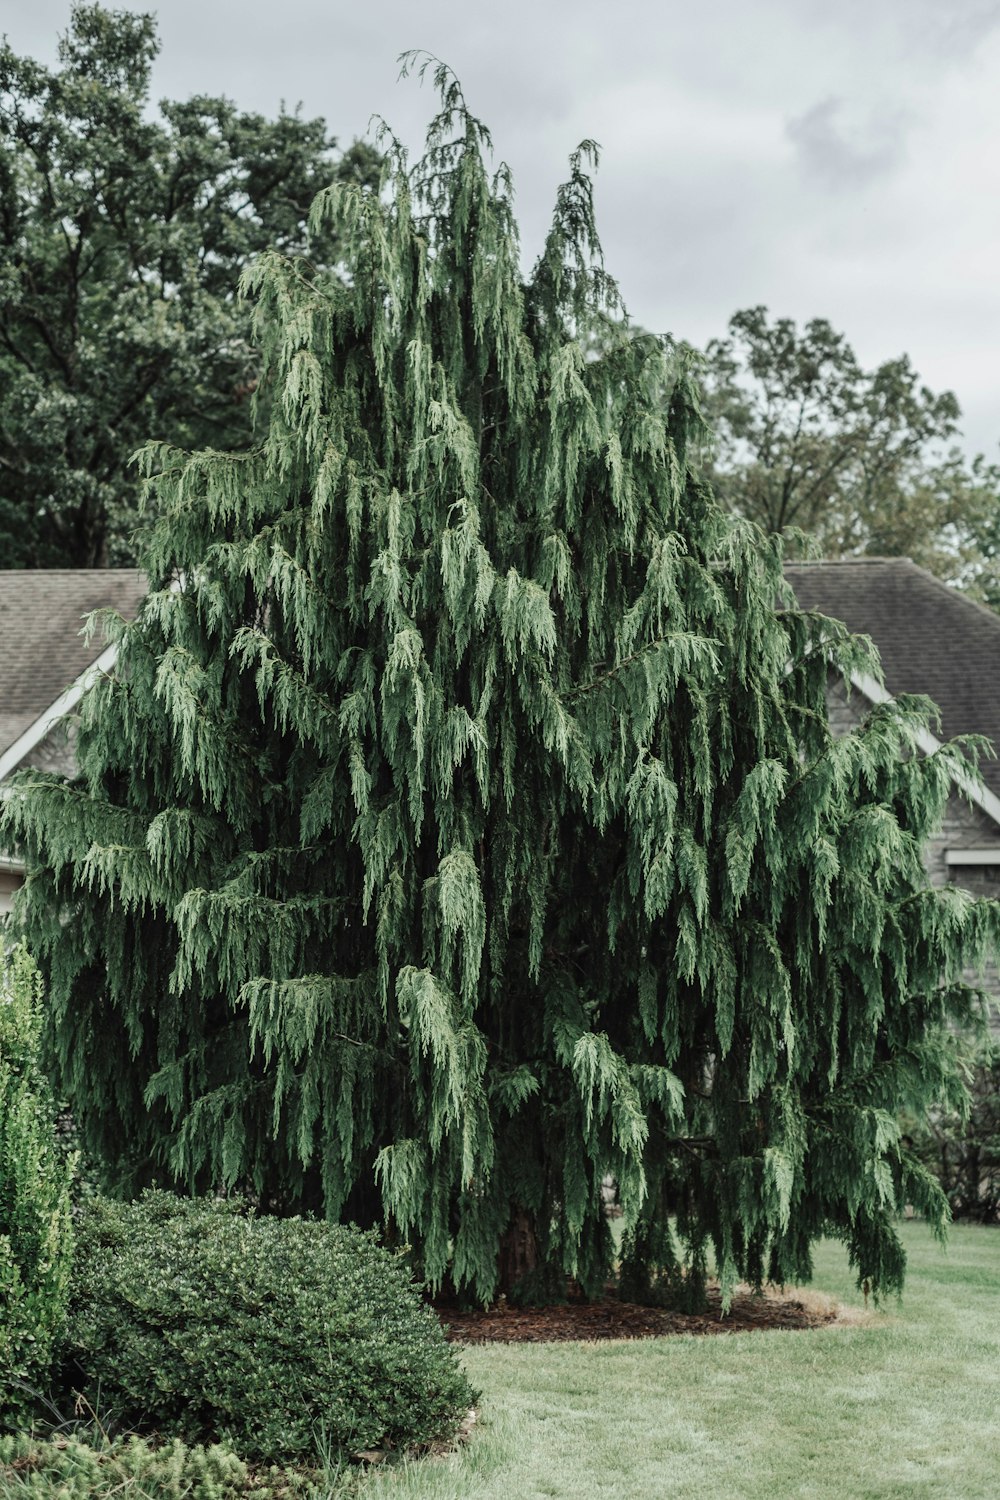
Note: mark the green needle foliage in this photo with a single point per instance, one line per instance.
(462, 823)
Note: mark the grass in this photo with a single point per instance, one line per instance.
(896, 1405)
(902, 1404)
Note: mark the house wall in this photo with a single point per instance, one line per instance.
(53, 753)
(963, 826)
(9, 882)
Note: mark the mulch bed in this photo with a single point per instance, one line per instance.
(611, 1319)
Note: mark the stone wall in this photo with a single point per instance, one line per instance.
(53, 753)
(964, 826)
(9, 882)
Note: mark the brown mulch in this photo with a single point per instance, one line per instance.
(611, 1319)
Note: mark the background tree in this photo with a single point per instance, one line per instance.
(122, 236)
(979, 572)
(863, 461)
(462, 822)
(962, 1147)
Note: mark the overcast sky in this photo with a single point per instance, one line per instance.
(836, 160)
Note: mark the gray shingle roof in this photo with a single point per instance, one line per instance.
(931, 639)
(41, 649)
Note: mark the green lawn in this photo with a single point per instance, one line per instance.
(902, 1403)
(906, 1404)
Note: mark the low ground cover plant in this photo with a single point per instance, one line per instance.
(289, 1338)
(35, 1174)
(132, 1468)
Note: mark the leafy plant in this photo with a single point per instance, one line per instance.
(200, 1320)
(132, 1468)
(36, 1241)
(864, 461)
(122, 235)
(962, 1146)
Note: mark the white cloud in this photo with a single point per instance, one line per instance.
(844, 152)
(835, 161)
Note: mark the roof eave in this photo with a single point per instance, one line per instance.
(973, 790)
(15, 753)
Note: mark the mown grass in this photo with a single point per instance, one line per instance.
(904, 1404)
(896, 1405)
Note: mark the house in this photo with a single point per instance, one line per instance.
(46, 664)
(934, 641)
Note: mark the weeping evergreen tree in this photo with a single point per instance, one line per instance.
(462, 824)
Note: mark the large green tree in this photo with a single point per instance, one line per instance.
(863, 461)
(122, 235)
(462, 823)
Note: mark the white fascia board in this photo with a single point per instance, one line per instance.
(982, 856)
(64, 704)
(987, 801)
(9, 866)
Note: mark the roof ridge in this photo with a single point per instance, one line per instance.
(846, 562)
(65, 572)
(954, 594)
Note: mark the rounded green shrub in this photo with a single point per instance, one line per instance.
(35, 1227)
(197, 1319)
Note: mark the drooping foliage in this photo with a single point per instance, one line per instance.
(962, 1146)
(462, 823)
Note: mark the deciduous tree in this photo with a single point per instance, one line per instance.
(122, 236)
(863, 461)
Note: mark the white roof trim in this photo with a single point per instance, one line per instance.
(64, 704)
(983, 798)
(9, 866)
(981, 856)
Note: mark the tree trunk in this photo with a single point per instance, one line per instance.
(518, 1250)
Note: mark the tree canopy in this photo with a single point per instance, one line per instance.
(122, 236)
(864, 461)
(462, 823)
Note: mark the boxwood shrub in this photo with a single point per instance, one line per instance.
(197, 1319)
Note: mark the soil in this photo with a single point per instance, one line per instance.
(610, 1318)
